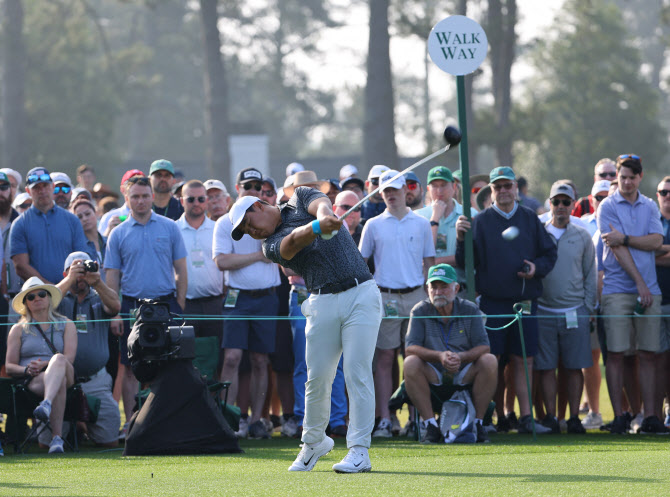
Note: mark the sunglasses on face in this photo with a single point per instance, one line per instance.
(476, 189)
(62, 189)
(347, 207)
(268, 193)
(600, 198)
(255, 186)
(506, 186)
(4, 187)
(201, 200)
(556, 202)
(412, 186)
(34, 178)
(32, 296)
(663, 193)
(374, 181)
(609, 174)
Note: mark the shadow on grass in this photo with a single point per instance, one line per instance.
(530, 478)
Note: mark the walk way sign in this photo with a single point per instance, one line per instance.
(457, 45)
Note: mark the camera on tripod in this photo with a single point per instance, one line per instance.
(153, 340)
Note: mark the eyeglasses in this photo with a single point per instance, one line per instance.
(476, 189)
(556, 202)
(505, 186)
(201, 200)
(32, 296)
(412, 186)
(600, 198)
(255, 186)
(268, 193)
(663, 193)
(347, 207)
(62, 189)
(374, 181)
(629, 156)
(34, 178)
(610, 174)
(4, 187)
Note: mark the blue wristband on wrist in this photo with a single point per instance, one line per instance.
(316, 227)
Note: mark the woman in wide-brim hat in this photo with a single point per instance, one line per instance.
(306, 178)
(41, 349)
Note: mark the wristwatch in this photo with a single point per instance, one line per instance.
(434, 223)
(626, 239)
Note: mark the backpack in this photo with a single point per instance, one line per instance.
(457, 419)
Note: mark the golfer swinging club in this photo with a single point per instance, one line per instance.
(343, 314)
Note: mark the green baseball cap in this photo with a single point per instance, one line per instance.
(440, 172)
(442, 272)
(4, 178)
(502, 172)
(161, 165)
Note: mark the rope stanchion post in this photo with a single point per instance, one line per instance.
(518, 309)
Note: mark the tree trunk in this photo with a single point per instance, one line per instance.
(216, 106)
(13, 88)
(379, 145)
(502, 37)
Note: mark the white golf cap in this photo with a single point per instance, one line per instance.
(294, 167)
(58, 178)
(377, 171)
(348, 171)
(397, 183)
(237, 213)
(14, 174)
(74, 256)
(20, 199)
(215, 183)
(600, 186)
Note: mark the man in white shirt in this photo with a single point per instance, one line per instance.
(252, 281)
(401, 243)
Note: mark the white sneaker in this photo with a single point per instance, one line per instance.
(383, 429)
(310, 455)
(356, 461)
(592, 421)
(636, 424)
(243, 431)
(56, 445)
(290, 427)
(269, 427)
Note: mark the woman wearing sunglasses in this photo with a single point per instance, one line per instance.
(40, 349)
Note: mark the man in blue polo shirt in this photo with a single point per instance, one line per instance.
(46, 234)
(146, 259)
(631, 231)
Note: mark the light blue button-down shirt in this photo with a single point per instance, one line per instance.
(640, 218)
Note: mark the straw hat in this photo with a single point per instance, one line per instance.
(306, 178)
(34, 283)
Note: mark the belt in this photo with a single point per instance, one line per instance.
(258, 293)
(399, 290)
(86, 379)
(341, 286)
(205, 299)
(162, 298)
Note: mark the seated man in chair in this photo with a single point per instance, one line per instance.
(450, 347)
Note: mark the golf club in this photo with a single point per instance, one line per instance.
(451, 135)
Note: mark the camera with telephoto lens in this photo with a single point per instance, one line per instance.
(91, 266)
(153, 340)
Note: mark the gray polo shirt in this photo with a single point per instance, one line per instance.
(92, 332)
(323, 262)
(462, 332)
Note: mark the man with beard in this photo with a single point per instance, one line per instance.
(447, 346)
(90, 303)
(62, 189)
(162, 179)
(414, 197)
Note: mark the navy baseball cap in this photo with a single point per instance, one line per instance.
(410, 176)
(37, 175)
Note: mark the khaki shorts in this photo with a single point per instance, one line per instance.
(624, 331)
(392, 331)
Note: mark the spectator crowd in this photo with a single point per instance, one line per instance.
(591, 276)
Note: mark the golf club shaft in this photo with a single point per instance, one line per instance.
(391, 180)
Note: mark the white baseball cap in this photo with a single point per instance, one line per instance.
(600, 186)
(215, 183)
(377, 171)
(237, 213)
(20, 199)
(348, 171)
(397, 183)
(57, 178)
(14, 174)
(294, 167)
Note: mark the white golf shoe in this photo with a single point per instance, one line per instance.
(356, 461)
(310, 455)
